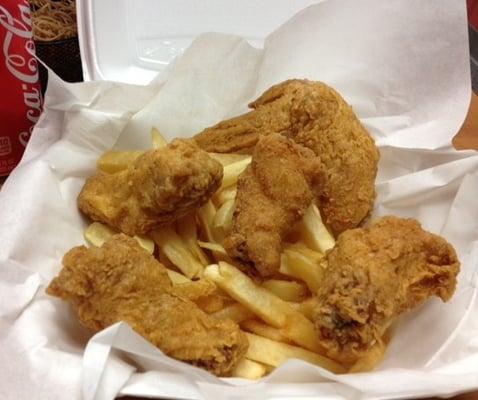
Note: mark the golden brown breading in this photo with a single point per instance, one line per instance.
(316, 116)
(272, 195)
(121, 282)
(374, 275)
(205, 294)
(161, 186)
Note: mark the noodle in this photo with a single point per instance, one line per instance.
(53, 19)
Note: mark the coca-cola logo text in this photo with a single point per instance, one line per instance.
(25, 69)
(5, 145)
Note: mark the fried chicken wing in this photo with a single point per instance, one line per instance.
(272, 195)
(121, 282)
(316, 116)
(160, 186)
(374, 275)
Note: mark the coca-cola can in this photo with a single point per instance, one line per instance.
(20, 95)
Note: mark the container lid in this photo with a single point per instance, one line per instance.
(132, 40)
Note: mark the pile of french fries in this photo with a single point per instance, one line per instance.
(275, 314)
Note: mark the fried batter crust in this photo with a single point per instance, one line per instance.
(272, 195)
(373, 276)
(161, 186)
(316, 116)
(122, 282)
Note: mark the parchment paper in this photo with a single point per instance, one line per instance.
(401, 64)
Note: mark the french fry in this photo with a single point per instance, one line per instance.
(146, 243)
(167, 263)
(285, 268)
(97, 233)
(314, 231)
(228, 158)
(237, 312)
(286, 290)
(269, 368)
(157, 139)
(177, 252)
(264, 330)
(313, 255)
(206, 215)
(298, 265)
(214, 247)
(232, 172)
(372, 358)
(187, 229)
(177, 278)
(307, 307)
(264, 304)
(218, 252)
(214, 236)
(223, 218)
(242, 289)
(301, 330)
(226, 194)
(249, 369)
(274, 353)
(115, 161)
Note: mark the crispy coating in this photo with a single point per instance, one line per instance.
(160, 186)
(272, 195)
(374, 275)
(122, 282)
(316, 116)
(205, 294)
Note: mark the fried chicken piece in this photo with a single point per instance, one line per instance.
(272, 195)
(374, 275)
(121, 282)
(160, 186)
(316, 116)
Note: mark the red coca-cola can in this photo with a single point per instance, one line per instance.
(20, 95)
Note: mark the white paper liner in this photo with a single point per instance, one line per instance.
(402, 65)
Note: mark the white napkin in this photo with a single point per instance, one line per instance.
(402, 65)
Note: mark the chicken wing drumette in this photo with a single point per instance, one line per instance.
(272, 195)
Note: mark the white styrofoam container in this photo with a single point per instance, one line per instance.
(132, 40)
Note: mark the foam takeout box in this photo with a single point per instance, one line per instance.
(404, 68)
(133, 41)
